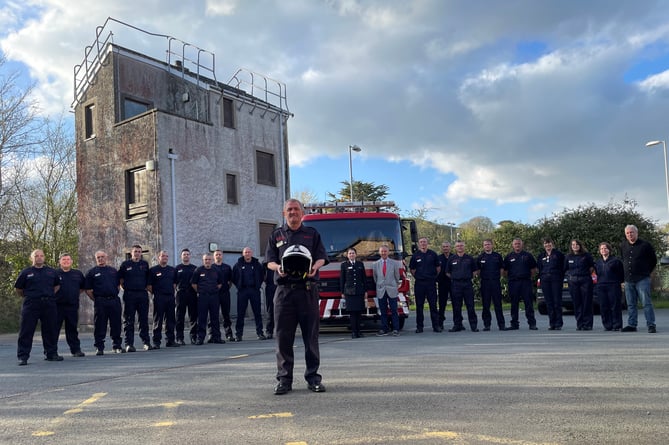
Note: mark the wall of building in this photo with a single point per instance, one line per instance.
(186, 121)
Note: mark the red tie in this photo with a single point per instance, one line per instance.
(384, 268)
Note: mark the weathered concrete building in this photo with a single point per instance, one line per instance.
(168, 157)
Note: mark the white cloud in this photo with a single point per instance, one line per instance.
(221, 7)
(448, 86)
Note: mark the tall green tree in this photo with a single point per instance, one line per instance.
(362, 191)
(474, 231)
(38, 211)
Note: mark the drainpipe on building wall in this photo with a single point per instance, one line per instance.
(173, 157)
(284, 158)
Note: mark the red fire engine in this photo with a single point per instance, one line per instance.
(366, 226)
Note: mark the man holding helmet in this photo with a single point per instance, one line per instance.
(295, 253)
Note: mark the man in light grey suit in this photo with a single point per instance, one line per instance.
(387, 278)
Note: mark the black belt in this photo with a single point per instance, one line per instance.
(107, 297)
(293, 286)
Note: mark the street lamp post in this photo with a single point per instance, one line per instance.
(666, 169)
(351, 149)
(451, 225)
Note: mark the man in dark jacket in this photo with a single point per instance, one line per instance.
(639, 260)
(248, 275)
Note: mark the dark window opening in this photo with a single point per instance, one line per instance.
(136, 192)
(133, 107)
(265, 167)
(228, 108)
(89, 121)
(231, 189)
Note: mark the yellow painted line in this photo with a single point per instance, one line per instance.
(239, 356)
(272, 415)
(446, 436)
(161, 424)
(442, 434)
(43, 433)
(77, 409)
(296, 443)
(172, 404)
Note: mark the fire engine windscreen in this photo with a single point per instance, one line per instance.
(365, 235)
(296, 262)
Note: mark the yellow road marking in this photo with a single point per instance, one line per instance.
(296, 443)
(271, 415)
(239, 356)
(77, 409)
(172, 404)
(159, 424)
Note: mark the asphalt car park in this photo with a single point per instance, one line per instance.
(515, 387)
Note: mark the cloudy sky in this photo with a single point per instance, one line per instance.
(506, 109)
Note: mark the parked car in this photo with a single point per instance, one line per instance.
(567, 304)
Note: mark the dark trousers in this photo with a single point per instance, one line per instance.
(69, 313)
(552, 289)
(270, 290)
(32, 311)
(443, 291)
(521, 290)
(354, 318)
(580, 289)
(463, 291)
(293, 308)
(610, 307)
(186, 302)
(163, 312)
(224, 304)
(426, 290)
(384, 303)
(107, 311)
(244, 297)
(135, 302)
(208, 307)
(491, 292)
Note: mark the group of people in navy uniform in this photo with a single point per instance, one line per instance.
(450, 274)
(51, 297)
(201, 291)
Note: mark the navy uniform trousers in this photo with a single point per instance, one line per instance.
(36, 309)
(292, 307)
(107, 310)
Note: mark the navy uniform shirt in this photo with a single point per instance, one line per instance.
(442, 278)
(578, 265)
(184, 275)
(610, 271)
(284, 237)
(519, 265)
(551, 266)
(72, 283)
(103, 281)
(226, 275)
(425, 265)
(490, 265)
(462, 267)
(207, 280)
(134, 275)
(37, 282)
(161, 279)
